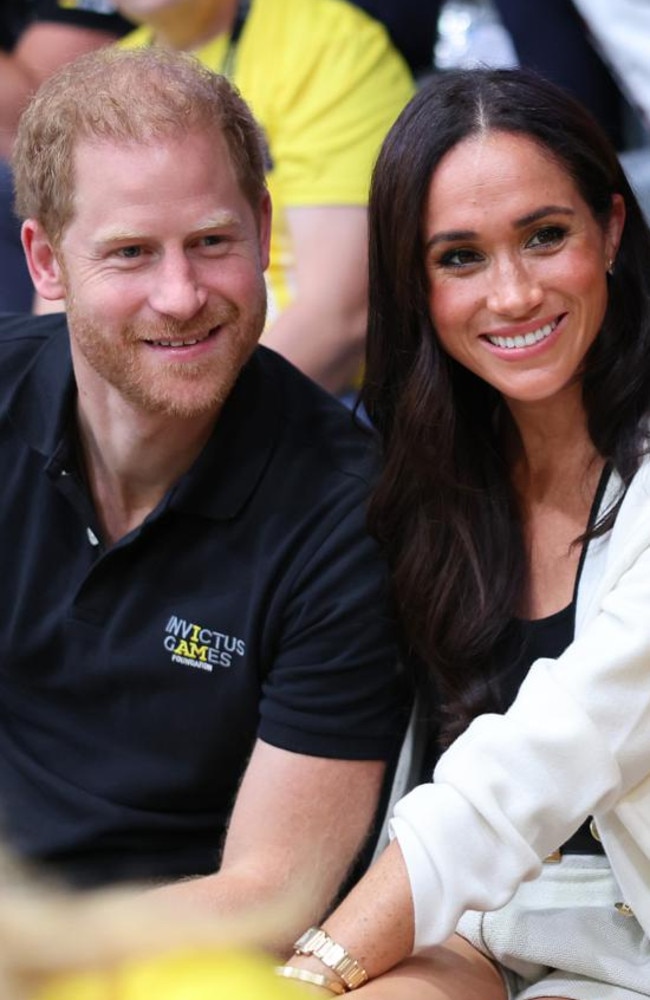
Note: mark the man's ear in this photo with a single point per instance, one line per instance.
(264, 226)
(42, 261)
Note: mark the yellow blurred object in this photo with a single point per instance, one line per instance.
(202, 974)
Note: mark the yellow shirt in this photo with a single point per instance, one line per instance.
(325, 83)
(188, 975)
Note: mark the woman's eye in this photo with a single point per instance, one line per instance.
(548, 236)
(461, 257)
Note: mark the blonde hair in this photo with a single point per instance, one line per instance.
(125, 96)
(48, 931)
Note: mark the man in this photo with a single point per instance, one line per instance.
(37, 38)
(195, 616)
(325, 82)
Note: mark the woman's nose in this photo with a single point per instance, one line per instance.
(515, 290)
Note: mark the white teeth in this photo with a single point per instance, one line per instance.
(524, 341)
(174, 343)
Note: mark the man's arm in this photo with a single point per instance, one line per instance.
(41, 49)
(296, 828)
(323, 330)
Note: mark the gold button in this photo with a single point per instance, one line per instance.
(593, 830)
(624, 909)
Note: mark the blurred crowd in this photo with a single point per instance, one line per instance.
(324, 129)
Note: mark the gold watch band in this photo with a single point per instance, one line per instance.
(313, 978)
(318, 943)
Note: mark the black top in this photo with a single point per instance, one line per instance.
(135, 678)
(527, 641)
(411, 25)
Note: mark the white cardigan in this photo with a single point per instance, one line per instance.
(574, 743)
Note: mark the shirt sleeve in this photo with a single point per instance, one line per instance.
(515, 786)
(327, 117)
(336, 688)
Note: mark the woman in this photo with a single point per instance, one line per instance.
(509, 376)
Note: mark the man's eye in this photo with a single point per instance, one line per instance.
(548, 236)
(211, 241)
(129, 252)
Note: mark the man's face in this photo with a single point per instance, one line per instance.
(163, 267)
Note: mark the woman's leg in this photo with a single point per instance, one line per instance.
(453, 971)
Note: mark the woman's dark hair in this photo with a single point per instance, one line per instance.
(444, 508)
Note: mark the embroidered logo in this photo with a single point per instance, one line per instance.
(196, 646)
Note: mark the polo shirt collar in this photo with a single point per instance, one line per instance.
(41, 406)
(226, 472)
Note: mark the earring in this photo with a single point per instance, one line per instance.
(610, 266)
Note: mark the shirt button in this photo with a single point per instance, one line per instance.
(92, 537)
(593, 830)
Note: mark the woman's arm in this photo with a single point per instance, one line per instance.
(375, 922)
(452, 971)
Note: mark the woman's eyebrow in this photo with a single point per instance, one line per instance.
(451, 236)
(541, 213)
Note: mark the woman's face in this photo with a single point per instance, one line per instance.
(516, 265)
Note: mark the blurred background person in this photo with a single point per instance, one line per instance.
(36, 37)
(595, 55)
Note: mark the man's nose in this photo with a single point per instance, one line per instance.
(177, 290)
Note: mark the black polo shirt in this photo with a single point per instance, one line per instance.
(134, 679)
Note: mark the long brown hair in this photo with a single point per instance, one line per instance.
(444, 509)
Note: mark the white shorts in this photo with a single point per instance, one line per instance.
(562, 936)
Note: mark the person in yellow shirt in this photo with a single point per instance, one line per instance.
(325, 82)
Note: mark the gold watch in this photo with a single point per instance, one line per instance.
(318, 943)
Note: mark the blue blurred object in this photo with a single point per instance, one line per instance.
(16, 289)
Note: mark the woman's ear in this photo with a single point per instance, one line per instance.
(614, 230)
(42, 261)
